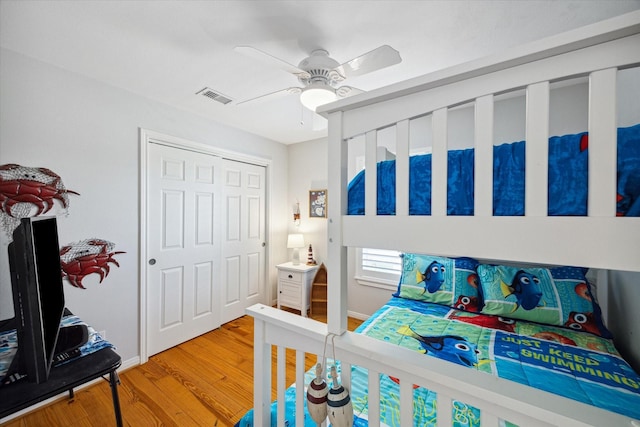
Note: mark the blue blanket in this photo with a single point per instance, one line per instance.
(568, 177)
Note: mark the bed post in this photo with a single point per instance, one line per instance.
(337, 207)
(261, 375)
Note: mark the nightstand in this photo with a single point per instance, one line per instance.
(294, 285)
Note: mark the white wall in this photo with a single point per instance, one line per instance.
(308, 171)
(87, 132)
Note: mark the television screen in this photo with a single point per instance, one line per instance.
(36, 277)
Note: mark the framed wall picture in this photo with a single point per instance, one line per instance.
(317, 203)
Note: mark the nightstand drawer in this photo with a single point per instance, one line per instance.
(290, 276)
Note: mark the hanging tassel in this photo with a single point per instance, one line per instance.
(340, 408)
(317, 397)
(334, 403)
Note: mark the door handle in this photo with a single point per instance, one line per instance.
(152, 261)
(264, 244)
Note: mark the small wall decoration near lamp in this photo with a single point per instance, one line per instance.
(318, 203)
(296, 214)
(295, 242)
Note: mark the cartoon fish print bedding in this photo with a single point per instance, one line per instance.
(567, 362)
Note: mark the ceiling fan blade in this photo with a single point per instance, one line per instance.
(378, 58)
(271, 96)
(266, 58)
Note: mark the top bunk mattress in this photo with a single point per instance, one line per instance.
(568, 179)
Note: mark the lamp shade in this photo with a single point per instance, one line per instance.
(295, 241)
(317, 94)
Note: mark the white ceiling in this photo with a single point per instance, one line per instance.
(169, 50)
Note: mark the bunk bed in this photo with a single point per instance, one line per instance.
(477, 248)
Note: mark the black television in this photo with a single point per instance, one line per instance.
(38, 295)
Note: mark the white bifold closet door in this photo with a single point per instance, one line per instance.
(205, 234)
(243, 237)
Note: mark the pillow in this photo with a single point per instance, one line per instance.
(558, 296)
(448, 281)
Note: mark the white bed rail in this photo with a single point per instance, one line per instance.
(604, 241)
(495, 397)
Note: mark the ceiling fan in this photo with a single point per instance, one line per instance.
(320, 74)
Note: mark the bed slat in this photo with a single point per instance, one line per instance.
(374, 398)
(402, 167)
(483, 168)
(444, 409)
(281, 367)
(371, 177)
(406, 399)
(602, 143)
(537, 150)
(439, 164)
(300, 397)
(488, 419)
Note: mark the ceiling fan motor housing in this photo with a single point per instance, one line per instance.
(321, 69)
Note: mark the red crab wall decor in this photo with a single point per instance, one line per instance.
(23, 188)
(86, 257)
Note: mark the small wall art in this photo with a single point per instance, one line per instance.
(318, 203)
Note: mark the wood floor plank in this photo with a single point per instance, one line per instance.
(207, 381)
(162, 404)
(97, 402)
(204, 378)
(68, 411)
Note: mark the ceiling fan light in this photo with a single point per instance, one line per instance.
(314, 96)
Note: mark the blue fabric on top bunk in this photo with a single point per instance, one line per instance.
(568, 179)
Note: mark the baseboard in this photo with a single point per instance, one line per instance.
(357, 315)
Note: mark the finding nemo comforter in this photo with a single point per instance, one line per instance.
(568, 179)
(574, 364)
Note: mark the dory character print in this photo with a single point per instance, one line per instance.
(526, 288)
(433, 277)
(452, 348)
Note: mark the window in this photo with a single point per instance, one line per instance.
(378, 267)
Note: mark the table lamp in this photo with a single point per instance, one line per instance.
(295, 242)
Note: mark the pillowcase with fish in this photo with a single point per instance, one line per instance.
(559, 296)
(448, 281)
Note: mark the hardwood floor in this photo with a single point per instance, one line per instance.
(207, 381)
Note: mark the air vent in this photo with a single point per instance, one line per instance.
(216, 96)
